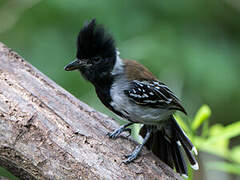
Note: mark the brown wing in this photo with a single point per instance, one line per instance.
(134, 69)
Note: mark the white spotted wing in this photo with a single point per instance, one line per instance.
(154, 94)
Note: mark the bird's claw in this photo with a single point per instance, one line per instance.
(131, 157)
(114, 134)
(117, 132)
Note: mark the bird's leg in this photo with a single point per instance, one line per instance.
(138, 149)
(117, 132)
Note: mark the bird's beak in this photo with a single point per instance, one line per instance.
(73, 65)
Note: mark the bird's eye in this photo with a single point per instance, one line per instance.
(96, 59)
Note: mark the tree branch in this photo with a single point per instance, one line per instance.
(37, 124)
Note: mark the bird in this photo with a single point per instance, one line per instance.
(132, 92)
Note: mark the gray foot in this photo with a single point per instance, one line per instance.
(131, 157)
(117, 132)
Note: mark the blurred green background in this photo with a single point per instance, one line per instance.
(192, 46)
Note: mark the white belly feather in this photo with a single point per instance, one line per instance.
(135, 112)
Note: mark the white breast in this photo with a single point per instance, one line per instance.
(122, 103)
(135, 112)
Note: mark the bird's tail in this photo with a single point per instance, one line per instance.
(168, 144)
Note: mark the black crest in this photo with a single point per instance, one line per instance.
(94, 41)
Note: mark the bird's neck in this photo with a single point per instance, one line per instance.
(104, 82)
(102, 89)
(104, 85)
(118, 67)
(107, 79)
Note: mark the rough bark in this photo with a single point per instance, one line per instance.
(37, 124)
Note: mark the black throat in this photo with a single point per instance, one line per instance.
(102, 89)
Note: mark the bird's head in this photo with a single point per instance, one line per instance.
(96, 52)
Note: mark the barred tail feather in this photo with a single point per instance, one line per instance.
(187, 145)
(168, 144)
(181, 134)
(178, 159)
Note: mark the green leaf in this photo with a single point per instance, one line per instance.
(216, 130)
(202, 115)
(205, 129)
(225, 166)
(235, 154)
(135, 132)
(219, 148)
(226, 133)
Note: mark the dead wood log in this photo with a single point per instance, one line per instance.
(37, 124)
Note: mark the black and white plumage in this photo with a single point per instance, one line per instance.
(131, 91)
(153, 93)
